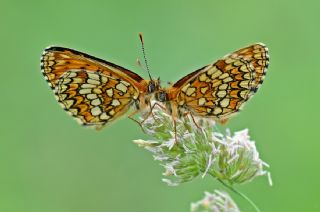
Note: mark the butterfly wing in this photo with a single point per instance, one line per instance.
(220, 89)
(92, 90)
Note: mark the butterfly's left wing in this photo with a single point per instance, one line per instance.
(220, 89)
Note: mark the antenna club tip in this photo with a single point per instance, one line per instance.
(141, 37)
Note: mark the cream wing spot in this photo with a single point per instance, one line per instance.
(93, 82)
(92, 96)
(256, 50)
(68, 103)
(238, 63)
(228, 79)
(72, 74)
(104, 116)
(217, 110)
(224, 102)
(62, 96)
(61, 88)
(87, 86)
(109, 92)
(73, 111)
(247, 76)
(202, 101)
(211, 70)
(221, 93)
(244, 68)
(115, 102)
(104, 79)
(96, 102)
(216, 74)
(223, 86)
(258, 56)
(224, 75)
(64, 56)
(65, 81)
(97, 90)
(125, 83)
(203, 77)
(229, 60)
(216, 83)
(184, 89)
(245, 83)
(244, 94)
(261, 62)
(94, 76)
(226, 110)
(190, 91)
(77, 80)
(203, 90)
(121, 87)
(95, 111)
(50, 63)
(85, 91)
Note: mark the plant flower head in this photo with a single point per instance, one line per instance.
(216, 202)
(231, 158)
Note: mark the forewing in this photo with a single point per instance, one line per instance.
(55, 61)
(92, 90)
(220, 89)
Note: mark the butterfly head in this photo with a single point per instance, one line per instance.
(161, 95)
(153, 86)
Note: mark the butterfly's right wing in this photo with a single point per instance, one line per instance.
(92, 90)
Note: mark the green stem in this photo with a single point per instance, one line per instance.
(241, 194)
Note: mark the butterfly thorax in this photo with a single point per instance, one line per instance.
(165, 95)
(145, 96)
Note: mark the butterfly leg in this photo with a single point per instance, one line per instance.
(175, 130)
(193, 119)
(151, 110)
(133, 119)
(151, 113)
(146, 117)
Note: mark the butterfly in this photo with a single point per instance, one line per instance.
(96, 92)
(218, 90)
(92, 90)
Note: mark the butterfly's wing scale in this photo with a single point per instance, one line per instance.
(220, 89)
(92, 90)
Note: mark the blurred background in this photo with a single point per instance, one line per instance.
(50, 163)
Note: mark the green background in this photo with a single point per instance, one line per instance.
(50, 163)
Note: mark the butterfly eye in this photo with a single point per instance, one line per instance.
(151, 87)
(162, 96)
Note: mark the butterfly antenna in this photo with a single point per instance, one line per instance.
(144, 54)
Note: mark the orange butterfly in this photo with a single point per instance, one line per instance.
(97, 92)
